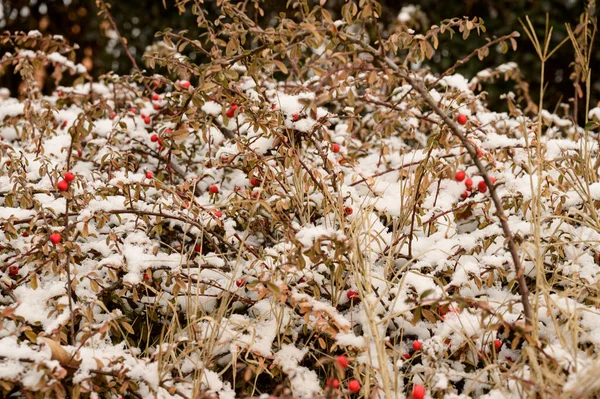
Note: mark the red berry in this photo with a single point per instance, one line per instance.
(213, 189)
(354, 386)
(133, 110)
(155, 97)
(462, 119)
(13, 270)
(156, 107)
(482, 187)
(69, 177)
(62, 185)
(406, 356)
(154, 138)
(64, 124)
(417, 345)
(333, 383)
(185, 84)
(335, 148)
(240, 282)
(217, 213)
(464, 195)
(168, 131)
(343, 361)
(479, 153)
(197, 248)
(418, 391)
(460, 175)
(55, 238)
(498, 344)
(25, 234)
(79, 153)
(352, 295)
(60, 93)
(231, 111)
(469, 183)
(295, 117)
(156, 83)
(147, 119)
(146, 276)
(348, 211)
(492, 179)
(254, 182)
(112, 115)
(149, 175)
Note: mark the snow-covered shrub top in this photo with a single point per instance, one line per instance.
(270, 226)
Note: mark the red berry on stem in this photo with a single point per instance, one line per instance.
(155, 97)
(406, 356)
(240, 282)
(482, 187)
(348, 211)
(352, 295)
(62, 185)
(418, 391)
(185, 84)
(460, 175)
(469, 183)
(112, 115)
(342, 361)
(295, 117)
(147, 119)
(217, 213)
(335, 148)
(55, 238)
(333, 383)
(149, 175)
(154, 138)
(146, 276)
(254, 182)
(69, 177)
(231, 111)
(492, 179)
(464, 195)
(354, 386)
(213, 189)
(168, 131)
(417, 345)
(13, 270)
(498, 344)
(462, 119)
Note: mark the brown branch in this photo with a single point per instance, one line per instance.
(455, 129)
(104, 9)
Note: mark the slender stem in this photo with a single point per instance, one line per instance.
(512, 246)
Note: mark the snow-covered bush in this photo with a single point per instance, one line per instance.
(292, 218)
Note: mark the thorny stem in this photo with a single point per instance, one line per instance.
(512, 246)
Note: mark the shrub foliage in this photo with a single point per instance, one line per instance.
(287, 219)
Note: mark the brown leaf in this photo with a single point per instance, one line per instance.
(59, 353)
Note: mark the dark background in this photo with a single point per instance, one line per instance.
(138, 20)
